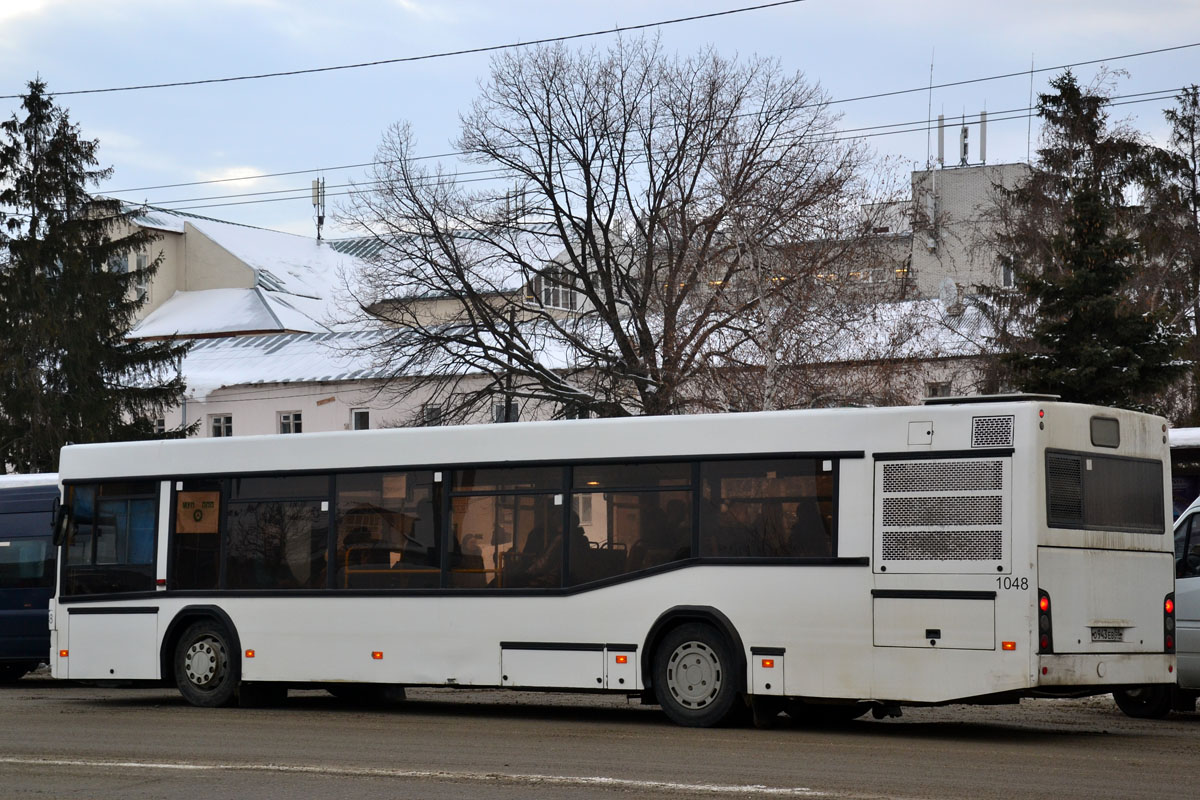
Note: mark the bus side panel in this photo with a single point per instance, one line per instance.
(117, 645)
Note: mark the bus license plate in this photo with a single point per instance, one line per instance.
(1108, 634)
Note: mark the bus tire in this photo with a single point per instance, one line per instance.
(11, 673)
(1145, 702)
(207, 670)
(695, 678)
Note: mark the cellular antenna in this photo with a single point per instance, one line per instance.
(318, 201)
(929, 115)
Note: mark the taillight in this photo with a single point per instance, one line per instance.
(1045, 637)
(1169, 623)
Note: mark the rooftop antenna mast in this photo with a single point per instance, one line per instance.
(929, 113)
(1029, 122)
(318, 201)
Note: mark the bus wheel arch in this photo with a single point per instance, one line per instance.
(713, 633)
(224, 643)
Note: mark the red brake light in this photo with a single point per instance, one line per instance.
(1169, 605)
(1044, 603)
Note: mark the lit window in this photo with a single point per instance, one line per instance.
(360, 419)
(221, 425)
(289, 422)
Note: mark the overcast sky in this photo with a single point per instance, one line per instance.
(315, 123)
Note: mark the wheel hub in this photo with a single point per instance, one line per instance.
(203, 662)
(694, 674)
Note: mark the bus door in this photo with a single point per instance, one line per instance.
(942, 535)
(107, 613)
(26, 577)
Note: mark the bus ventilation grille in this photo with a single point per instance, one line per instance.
(991, 431)
(942, 511)
(943, 546)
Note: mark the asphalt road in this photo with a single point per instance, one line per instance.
(67, 741)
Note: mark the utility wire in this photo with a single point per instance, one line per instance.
(428, 56)
(857, 98)
(849, 134)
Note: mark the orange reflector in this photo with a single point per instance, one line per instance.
(1169, 606)
(377, 655)
(622, 659)
(768, 663)
(1008, 645)
(249, 654)
(62, 653)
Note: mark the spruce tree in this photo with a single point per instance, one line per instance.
(1087, 332)
(67, 299)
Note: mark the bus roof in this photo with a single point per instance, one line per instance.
(830, 431)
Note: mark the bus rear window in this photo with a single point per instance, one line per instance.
(1104, 493)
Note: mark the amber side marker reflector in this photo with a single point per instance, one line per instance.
(249, 654)
(62, 653)
(1008, 645)
(622, 659)
(377, 655)
(768, 663)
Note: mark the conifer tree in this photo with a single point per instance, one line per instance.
(1084, 329)
(68, 297)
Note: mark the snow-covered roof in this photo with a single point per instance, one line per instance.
(215, 312)
(213, 364)
(297, 282)
(1184, 437)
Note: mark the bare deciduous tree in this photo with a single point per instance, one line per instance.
(643, 210)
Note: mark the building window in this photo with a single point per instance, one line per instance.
(160, 426)
(505, 412)
(1008, 276)
(221, 425)
(289, 422)
(143, 280)
(554, 288)
(431, 414)
(576, 411)
(938, 389)
(360, 419)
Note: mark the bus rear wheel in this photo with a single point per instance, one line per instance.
(694, 676)
(1145, 702)
(206, 668)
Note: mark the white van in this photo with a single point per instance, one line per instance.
(1158, 701)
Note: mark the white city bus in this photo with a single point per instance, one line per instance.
(823, 562)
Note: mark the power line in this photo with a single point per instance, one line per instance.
(865, 132)
(426, 57)
(857, 98)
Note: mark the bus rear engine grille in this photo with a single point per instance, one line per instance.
(943, 545)
(943, 476)
(900, 512)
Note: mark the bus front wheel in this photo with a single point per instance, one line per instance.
(206, 668)
(1145, 702)
(694, 676)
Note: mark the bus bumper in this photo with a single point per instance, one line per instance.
(1105, 669)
